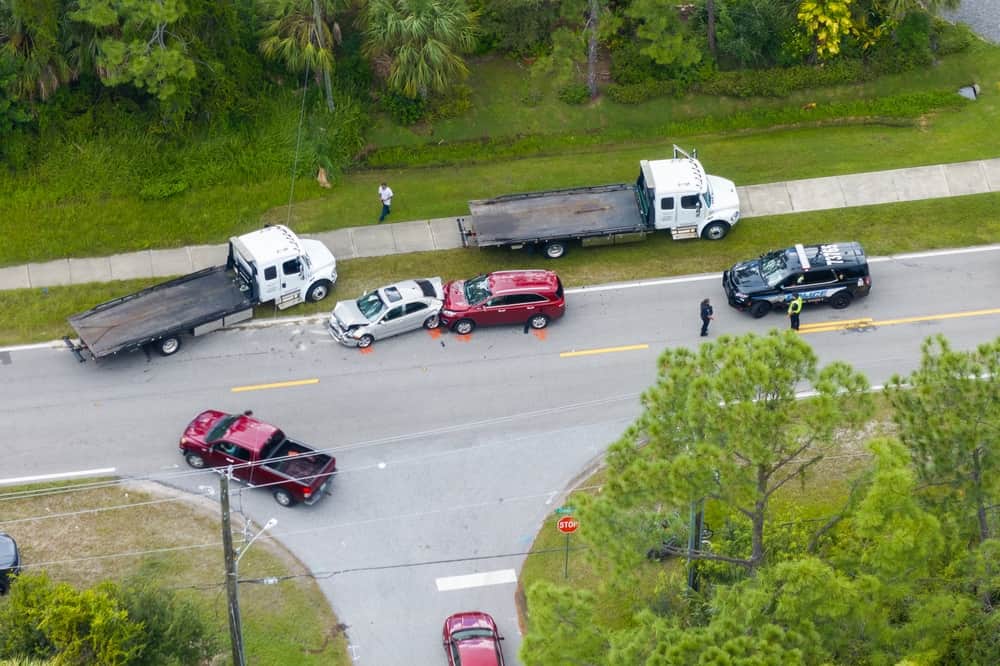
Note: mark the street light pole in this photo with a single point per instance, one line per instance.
(232, 570)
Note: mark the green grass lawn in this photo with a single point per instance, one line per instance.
(28, 315)
(52, 213)
(290, 622)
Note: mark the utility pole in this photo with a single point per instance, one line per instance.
(232, 589)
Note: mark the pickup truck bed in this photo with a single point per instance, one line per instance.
(298, 461)
(557, 214)
(165, 309)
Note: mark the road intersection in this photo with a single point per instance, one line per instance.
(453, 450)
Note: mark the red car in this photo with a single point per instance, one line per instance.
(472, 639)
(532, 297)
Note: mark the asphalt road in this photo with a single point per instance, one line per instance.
(452, 452)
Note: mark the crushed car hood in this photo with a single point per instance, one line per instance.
(347, 314)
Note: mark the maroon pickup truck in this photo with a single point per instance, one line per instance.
(259, 454)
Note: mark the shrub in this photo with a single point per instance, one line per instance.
(781, 82)
(750, 32)
(404, 110)
(628, 66)
(104, 624)
(575, 93)
(637, 93)
(455, 104)
(948, 38)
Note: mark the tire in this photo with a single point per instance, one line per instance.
(318, 291)
(759, 309)
(365, 341)
(432, 322)
(283, 497)
(194, 460)
(464, 326)
(555, 249)
(840, 300)
(715, 231)
(168, 346)
(538, 322)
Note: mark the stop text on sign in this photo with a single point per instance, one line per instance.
(567, 524)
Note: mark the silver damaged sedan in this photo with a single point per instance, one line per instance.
(387, 311)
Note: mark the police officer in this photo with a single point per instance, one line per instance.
(707, 315)
(794, 308)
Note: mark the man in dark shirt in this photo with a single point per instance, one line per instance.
(707, 315)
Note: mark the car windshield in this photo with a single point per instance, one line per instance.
(466, 634)
(220, 428)
(774, 268)
(370, 305)
(477, 290)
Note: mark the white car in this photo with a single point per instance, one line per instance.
(387, 311)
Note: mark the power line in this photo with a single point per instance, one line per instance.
(174, 475)
(340, 525)
(433, 432)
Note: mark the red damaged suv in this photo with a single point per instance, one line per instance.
(532, 297)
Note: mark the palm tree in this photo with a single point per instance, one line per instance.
(302, 36)
(30, 33)
(422, 40)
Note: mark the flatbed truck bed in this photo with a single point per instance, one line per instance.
(198, 303)
(575, 213)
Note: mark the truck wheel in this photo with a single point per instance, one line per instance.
(432, 322)
(464, 326)
(365, 341)
(715, 231)
(539, 321)
(168, 346)
(283, 497)
(555, 249)
(840, 300)
(318, 291)
(194, 460)
(759, 309)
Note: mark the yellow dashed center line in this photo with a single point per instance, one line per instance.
(827, 326)
(603, 350)
(261, 387)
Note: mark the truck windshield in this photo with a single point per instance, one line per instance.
(774, 268)
(644, 197)
(477, 290)
(220, 428)
(708, 194)
(243, 266)
(370, 305)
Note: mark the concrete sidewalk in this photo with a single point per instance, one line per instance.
(796, 196)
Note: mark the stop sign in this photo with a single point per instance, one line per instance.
(568, 524)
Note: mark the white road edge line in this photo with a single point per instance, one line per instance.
(499, 577)
(60, 475)
(261, 323)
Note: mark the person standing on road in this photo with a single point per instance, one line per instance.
(794, 308)
(385, 196)
(707, 315)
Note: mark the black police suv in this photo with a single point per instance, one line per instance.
(834, 273)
